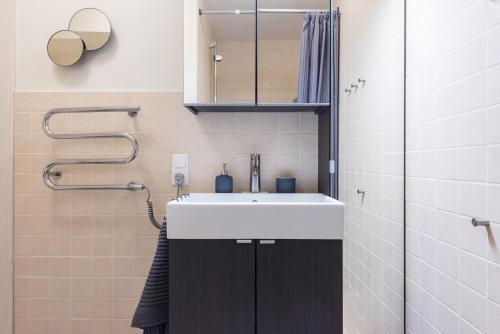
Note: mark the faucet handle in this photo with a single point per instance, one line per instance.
(255, 159)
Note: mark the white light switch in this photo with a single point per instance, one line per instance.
(180, 164)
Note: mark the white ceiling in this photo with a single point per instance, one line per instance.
(271, 26)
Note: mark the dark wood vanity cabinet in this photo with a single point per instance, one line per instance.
(263, 287)
(299, 287)
(212, 287)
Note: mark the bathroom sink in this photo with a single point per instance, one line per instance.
(255, 216)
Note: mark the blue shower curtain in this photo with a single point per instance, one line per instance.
(314, 61)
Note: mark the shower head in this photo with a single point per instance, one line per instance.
(212, 44)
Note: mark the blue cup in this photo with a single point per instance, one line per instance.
(285, 185)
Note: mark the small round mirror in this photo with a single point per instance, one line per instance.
(93, 27)
(65, 48)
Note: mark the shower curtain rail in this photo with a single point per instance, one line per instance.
(48, 171)
(261, 10)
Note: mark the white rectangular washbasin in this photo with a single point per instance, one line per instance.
(255, 216)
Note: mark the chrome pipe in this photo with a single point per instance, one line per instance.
(292, 11)
(48, 169)
(476, 222)
(213, 46)
(262, 10)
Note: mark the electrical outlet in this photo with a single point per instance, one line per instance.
(180, 165)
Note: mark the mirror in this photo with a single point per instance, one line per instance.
(236, 53)
(220, 52)
(92, 26)
(65, 48)
(291, 35)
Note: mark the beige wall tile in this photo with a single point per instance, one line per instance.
(102, 288)
(81, 287)
(102, 267)
(61, 308)
(22, 307)
(41, 326)
(61, 287)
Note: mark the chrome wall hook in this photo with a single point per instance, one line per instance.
(362, 193)
(476, 222)
(362, 81)
(354, 86)
(347, 90)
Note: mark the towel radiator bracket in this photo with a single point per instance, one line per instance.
(56, 173)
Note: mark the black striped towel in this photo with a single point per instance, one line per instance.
(151, 314)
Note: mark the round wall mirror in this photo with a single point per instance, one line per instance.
(65, 48)
(93, 27)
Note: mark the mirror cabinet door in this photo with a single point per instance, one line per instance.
(293, 51)
(226, 52)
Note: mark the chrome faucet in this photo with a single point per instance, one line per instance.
(255, 173)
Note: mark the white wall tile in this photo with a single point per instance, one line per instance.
(465, 134)
(493, 16)
(473, 308)
(493, 164)
(493, 318)
(472, 164)
(472, 21)
(493, 286)
(473, 199)
(473, 93)
(493, 47)
(448, 320)
(493, 200)
(448, 292)
(473, 272)
(493, 88)
(494, 125)
(473, 128)
(448, 259)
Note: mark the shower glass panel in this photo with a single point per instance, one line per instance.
(372, 123)
(281, 64)
(226, 52)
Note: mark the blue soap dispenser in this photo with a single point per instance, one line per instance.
(224, 182)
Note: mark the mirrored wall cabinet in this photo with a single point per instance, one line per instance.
(266, 55)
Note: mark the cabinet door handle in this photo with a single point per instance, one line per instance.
(243, 241)
(267, 242)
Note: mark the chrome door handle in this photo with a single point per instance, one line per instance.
(267, 242)
(243, 241)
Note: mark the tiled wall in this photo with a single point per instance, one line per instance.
(453, 282)
(81, 257)
(371, 160)
(6, 167)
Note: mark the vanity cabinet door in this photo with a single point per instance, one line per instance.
(299, 287)
(212, 287)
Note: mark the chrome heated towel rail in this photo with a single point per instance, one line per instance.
(49, 171)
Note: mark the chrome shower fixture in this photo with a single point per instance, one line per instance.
(216, 58)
